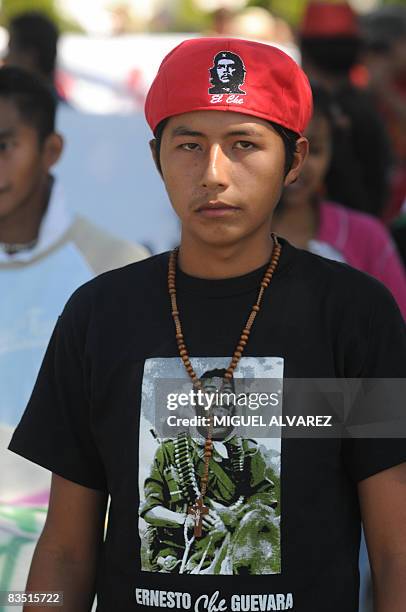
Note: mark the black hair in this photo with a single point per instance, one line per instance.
(383, 27)
(32, 98)
(324, 104)
(288, 136)
(36, 34)
(344, 182)
(336, 55)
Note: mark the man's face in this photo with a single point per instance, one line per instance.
(219, 409)
(311, 181)
(224, 173)
(225, 70)
(22, 165)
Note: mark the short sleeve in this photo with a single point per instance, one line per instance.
(55, 430)
(385, 359)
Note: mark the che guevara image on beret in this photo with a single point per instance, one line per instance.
(227, 74)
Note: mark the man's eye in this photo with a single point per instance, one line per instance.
(189, 146)
(4, 145)
(245, 145)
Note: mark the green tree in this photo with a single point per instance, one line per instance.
(11, 8)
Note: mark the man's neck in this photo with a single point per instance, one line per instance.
(22, 225)
(217, 262)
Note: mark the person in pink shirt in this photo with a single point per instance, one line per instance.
(307, 219)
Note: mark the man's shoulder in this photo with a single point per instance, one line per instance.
(119, 284)
(250, 446)
(103, 250)
(339, 281)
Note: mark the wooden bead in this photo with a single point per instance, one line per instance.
(197, 384)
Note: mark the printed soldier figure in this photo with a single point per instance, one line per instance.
(239, 479)
(227, 74)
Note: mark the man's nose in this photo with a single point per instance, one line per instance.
(216, 168)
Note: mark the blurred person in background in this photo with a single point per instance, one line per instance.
(45, 253)
(257, 23)
(330, 43)
(310, 221)
(384, 32)
(33, 45)
(220, 21)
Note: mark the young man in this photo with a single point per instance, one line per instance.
(286, 313)
(46, 252)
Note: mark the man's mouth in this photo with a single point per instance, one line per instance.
(216, 209)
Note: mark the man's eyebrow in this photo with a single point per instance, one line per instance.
(245, 132)
(185, 131)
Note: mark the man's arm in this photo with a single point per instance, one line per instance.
(66, 555)
(383, 508)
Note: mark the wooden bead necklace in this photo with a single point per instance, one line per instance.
(199, 509)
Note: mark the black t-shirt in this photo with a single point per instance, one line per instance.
(289, 516)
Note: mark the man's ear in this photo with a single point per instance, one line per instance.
(152, 146)
(299, 157)
(52, 150)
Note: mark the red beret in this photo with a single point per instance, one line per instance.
(230, 74)
(324, 19)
